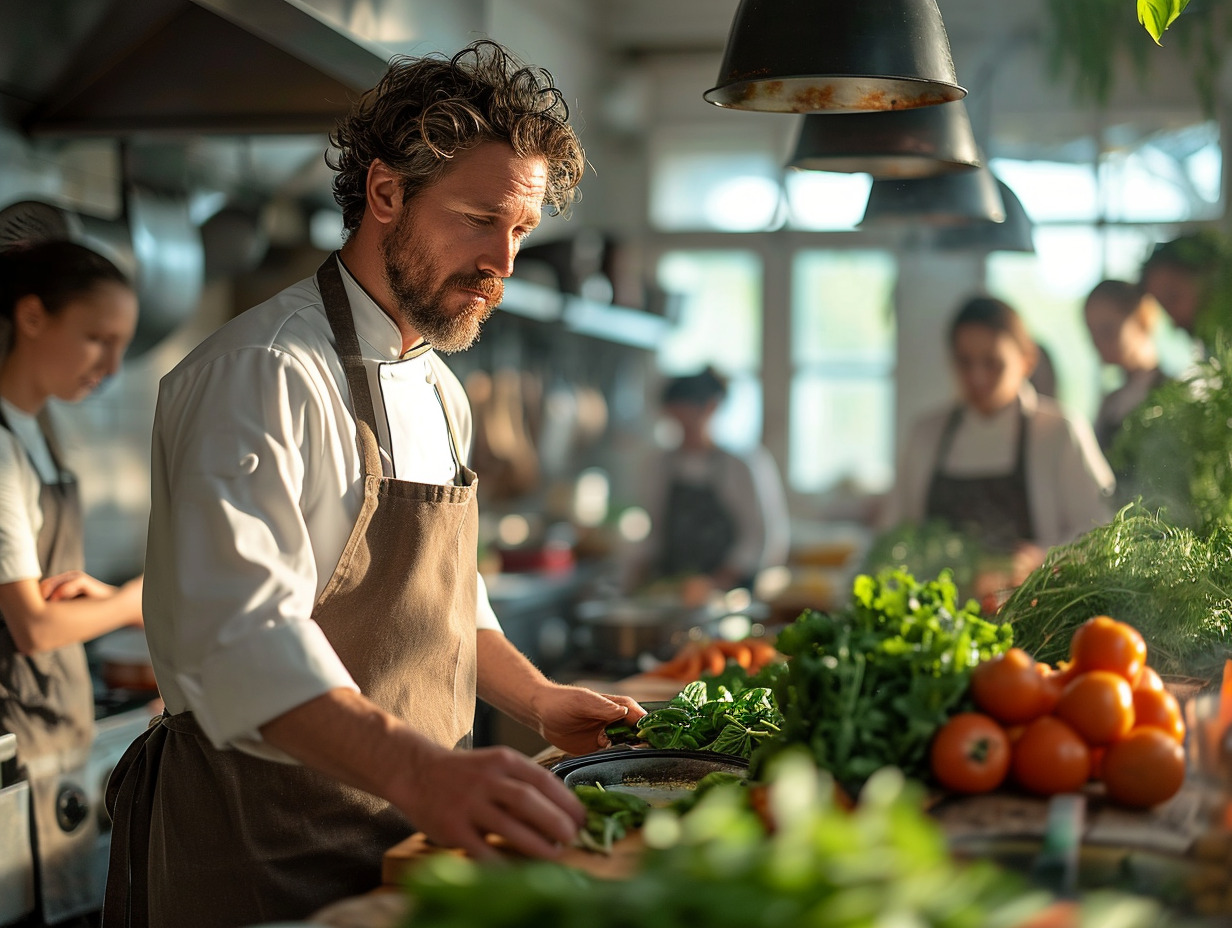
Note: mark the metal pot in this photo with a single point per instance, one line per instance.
(622, 630)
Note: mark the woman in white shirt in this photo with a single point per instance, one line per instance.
(1121, 319)
(1004, 463)
(71, 315)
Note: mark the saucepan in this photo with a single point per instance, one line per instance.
(125, 659)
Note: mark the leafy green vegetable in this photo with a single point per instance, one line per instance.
(610, 814)
(867, 687)
(884, 864)
(1174, 452)
(697, 720)
(1173, 585)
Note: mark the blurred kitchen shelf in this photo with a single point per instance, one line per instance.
(620, 324)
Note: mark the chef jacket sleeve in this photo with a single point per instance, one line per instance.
(232, 435)
(1085, 482)
(18, 525)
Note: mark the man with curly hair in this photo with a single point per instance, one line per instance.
(317, 623)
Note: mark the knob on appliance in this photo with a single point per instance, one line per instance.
(72, 807)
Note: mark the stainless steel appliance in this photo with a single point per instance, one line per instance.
(16, 854)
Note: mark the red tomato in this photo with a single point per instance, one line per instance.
(1159, 709)
(1103, 643)
(1144, 769)
(1149, 680)
(1009, 688)
(1099, 705)
(1050, 758)
(970, 754)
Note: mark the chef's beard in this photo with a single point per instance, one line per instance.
(409, 271)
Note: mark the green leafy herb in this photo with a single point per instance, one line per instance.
(610, 814)
(884, 864)
(1170, 583)
(868, 686)
(699, 719)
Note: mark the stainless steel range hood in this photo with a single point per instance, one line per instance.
(130, 67)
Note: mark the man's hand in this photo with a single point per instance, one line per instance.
(573, 718)
(458, 798)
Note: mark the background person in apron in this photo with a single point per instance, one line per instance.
(714, 514)
(70, 315)
(1004, 464)
(1121, 320)
(315, 615)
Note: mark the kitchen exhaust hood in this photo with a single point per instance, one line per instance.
(129, 67)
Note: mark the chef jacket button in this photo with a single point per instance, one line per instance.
(248, 463)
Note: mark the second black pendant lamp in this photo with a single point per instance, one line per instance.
(900, 144)
(811, 56)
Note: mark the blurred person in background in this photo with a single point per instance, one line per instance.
(1191, 277)
(1003, 463)
(1121, 318)
(69, 314)
(714, 514)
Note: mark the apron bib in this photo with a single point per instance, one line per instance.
(995, 508)
(238, 840)
(699, 531)
(47, 700)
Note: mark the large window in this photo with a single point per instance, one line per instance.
(720, 325)
(842, 391)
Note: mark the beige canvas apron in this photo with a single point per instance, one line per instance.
(237, 840)
(47, 700)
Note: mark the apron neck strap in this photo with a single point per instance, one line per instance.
(342, 324)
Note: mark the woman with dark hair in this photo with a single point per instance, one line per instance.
(1121, 318)
(714, 514)
(70, 315)
(1004, 463)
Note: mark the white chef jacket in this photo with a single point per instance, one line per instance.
(256, 488)
(1069, 483)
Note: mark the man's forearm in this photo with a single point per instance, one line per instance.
(344, 735)
(507, 680)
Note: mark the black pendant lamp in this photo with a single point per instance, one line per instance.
(943, 200)
(858, 56)
(898, 144)
(1014, 234)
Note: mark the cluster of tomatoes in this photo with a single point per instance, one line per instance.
(1104, 715)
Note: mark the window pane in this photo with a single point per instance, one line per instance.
(842, 308)
(720, 317)
(704, 181)
(1051, 191)
(825, 201)
(842, 431)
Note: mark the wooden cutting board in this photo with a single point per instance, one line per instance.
(619, 865)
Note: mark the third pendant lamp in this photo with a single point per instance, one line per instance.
(810, 56)
(943, 200)
(899, 144)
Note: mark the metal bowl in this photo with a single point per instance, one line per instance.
(658, 776)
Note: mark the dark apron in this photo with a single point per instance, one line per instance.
(699, 531)
(996, 509)
(47, 700)
(205, 838)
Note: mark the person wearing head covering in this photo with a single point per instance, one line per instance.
(1121, 319)
(1003, 463)
(70, 315)
(714, 514)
